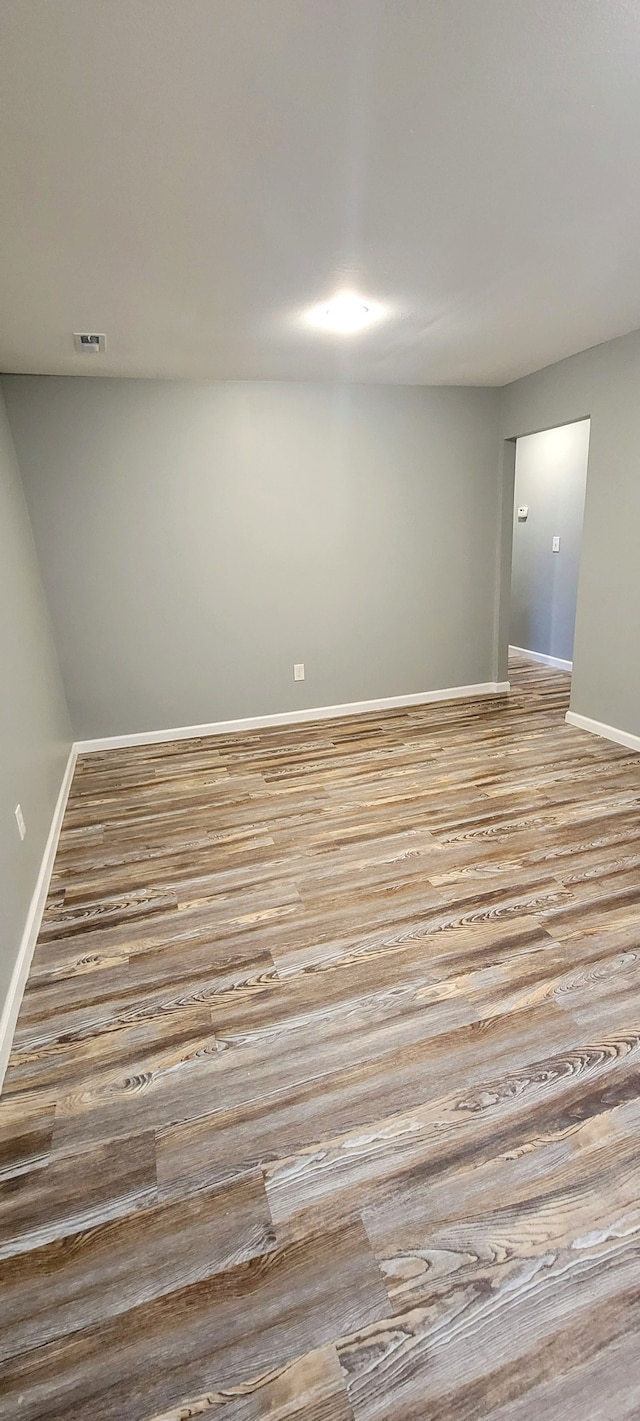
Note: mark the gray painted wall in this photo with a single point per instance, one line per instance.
(604, 383)
(197, 538)
(551, 476)
(35, 734)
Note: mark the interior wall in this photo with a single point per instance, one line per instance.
(551, 477)
(35, 734)
(602, 383)
(197, 539)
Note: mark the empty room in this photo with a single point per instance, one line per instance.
(319, 710)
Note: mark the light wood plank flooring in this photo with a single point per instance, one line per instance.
(325, 1095)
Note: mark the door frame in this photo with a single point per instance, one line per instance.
(504, 556)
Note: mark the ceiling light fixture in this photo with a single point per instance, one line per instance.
(345, 313)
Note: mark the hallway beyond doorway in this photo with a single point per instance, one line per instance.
(550, 486)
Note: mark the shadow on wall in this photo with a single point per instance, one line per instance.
(551, 476)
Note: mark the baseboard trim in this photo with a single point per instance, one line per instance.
(555, 661)
(11, 1007)
(262, 722)
(608, 732)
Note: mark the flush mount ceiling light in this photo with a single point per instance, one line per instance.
(345, 313)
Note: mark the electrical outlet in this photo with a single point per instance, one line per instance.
(298, 671)
(22, 828)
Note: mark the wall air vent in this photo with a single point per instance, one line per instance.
(89, 344)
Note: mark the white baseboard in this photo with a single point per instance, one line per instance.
(608, 732)
(261, 722)
(554, 661)
(11, 1007)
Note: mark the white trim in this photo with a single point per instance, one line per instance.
(9, 1015)
(260, 722)
(608, 732)
(555, 661)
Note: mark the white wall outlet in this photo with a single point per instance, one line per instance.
(555, 546)
(22, 828)
(523, 513)
(298, 671)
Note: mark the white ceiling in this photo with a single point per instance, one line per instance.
(190, 176)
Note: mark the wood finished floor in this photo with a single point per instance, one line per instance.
(324, 1101)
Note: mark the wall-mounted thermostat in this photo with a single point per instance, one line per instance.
(523, 513)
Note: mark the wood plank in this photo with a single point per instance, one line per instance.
(493, 1346)
(312, 1388)
(26, 1134)
(85, 1277)
(212, 1335)
(75, 1190)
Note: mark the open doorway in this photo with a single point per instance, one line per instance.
(550, 486)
